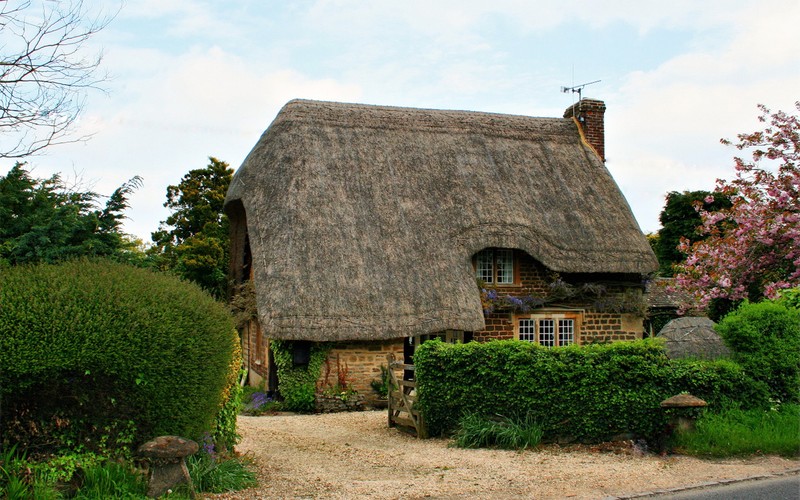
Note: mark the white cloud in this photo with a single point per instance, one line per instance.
(663, 127)
(199, 104)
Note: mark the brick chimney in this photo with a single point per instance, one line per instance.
(589, 113)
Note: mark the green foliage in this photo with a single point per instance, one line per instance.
(193, 242)
(790, 298)
(25, 478)
(41, 220)
(111, 480)
(225, 435)
(765, 340)
(680, 219)
(478, 431)
(656, 321)
(211, 475)
(587, 393)
(381, 386)
(298, 384)
(721, 382)
(738, 432)
(141, 347)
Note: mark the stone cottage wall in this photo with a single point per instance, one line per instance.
(362, 360)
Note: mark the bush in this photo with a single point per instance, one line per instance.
(765, 339)
(585, 393)
(130, 353)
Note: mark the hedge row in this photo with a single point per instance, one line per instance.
(155, 350)
(587, 393)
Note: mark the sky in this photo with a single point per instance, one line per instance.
(190, 79)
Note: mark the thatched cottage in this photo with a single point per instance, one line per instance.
(379, 227)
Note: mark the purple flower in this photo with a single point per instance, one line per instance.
(208, 445)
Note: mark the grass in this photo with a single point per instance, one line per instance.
(101, 479)
(740, 433)
(478, 431)
(217, 476)
(111, 480)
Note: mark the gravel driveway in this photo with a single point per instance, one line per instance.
(355, 455)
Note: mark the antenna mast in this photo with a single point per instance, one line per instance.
(577, 89)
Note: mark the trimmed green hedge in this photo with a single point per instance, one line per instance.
(146, 347)
(586, 393)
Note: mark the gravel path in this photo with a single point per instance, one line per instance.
(355, 455)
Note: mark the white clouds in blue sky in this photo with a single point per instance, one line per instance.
(196, 78)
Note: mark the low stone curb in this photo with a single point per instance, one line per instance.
(700, 486)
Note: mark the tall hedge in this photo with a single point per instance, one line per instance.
(586, 393)
(148, 347)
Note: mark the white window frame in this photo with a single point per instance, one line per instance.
(495, 266)
(549, 328)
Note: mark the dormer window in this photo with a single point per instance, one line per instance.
(495, 266)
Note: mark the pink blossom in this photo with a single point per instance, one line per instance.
(754, 244)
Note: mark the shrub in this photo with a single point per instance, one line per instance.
(120, 345)
(586, 393)
(790, 298)
(765, 340)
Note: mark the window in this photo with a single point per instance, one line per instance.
(549, 329)
(495, 266)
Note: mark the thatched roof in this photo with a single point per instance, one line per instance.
(693, 337)
(363, 219)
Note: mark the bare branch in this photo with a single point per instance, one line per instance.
(45, 73)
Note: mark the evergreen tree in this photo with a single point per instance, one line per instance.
(43, 221)
(194, 241)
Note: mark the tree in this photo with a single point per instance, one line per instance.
(41, 220)
(44, 72)
(752, 248)
(681, 219)
(194, 240)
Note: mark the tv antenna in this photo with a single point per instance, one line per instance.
(577, 89)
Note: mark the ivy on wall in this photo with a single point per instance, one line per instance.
(298, 383)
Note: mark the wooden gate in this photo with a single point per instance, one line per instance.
(403, 411)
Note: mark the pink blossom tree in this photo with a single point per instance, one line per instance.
(752, 249)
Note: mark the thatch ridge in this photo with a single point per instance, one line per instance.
(363, 219)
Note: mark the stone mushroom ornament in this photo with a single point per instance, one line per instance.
(167, 463)
(682, 418)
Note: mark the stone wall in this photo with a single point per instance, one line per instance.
(362, 362)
